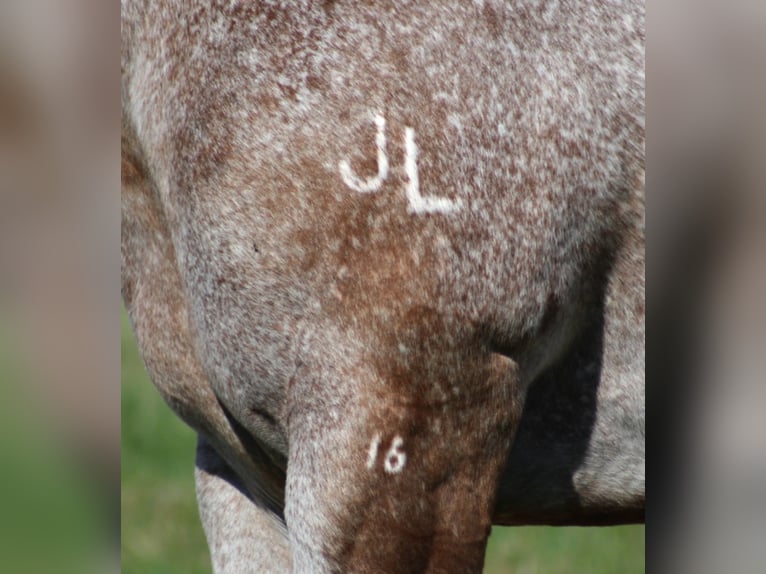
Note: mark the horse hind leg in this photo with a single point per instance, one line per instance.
(387, 480)
(243, 536)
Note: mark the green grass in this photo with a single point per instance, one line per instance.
(50, 519)
(161, 532)
(545, 550)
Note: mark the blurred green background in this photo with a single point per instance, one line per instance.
(161, 532)
(55, 516)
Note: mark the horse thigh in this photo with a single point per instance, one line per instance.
(381, 480)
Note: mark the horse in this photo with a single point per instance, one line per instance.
(387, 260)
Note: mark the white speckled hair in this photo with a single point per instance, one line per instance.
(387, 258)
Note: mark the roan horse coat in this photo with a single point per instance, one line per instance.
(387, 259)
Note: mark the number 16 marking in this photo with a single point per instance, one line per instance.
(395, 458)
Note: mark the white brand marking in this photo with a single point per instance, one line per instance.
(372, 184)
(417, 203)
(395, 457)
(372, 454)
